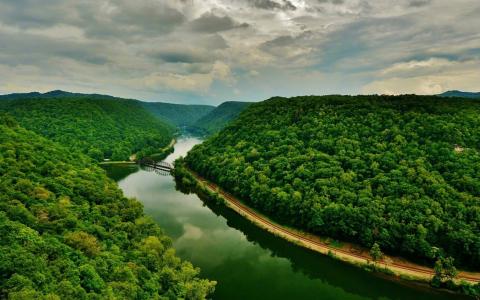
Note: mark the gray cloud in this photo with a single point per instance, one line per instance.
(336, 2)
(271, 4)
(98, 19)
(126, 18)
(193, 50)
(419, 3)
(25, 13)
(31, 49)
(182, 55)
(211, 23)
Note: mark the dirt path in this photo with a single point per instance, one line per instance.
(352, 255)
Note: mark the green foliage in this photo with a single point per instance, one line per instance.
(99, 126)
(444, 270)
(218, 118)
(399, 171)
(67, 231)
(376, 252)
(178, 114)
(83, 241)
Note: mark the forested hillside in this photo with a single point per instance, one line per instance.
(215, 120)
(402, 171)
(460, 94)
(99, 126)
(47, 95)
(67, 232)
(178, 114)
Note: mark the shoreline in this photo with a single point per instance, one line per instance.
(406, 270)
(117, 162)
(165, 151)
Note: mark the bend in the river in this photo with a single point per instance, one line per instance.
(248, 262)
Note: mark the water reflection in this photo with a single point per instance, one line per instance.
(247, 262)
(120, 171)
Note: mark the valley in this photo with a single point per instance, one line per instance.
(245, 259)
(374, 161)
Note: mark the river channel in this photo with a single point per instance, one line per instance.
(248, 262)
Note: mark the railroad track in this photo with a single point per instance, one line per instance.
(289, 233)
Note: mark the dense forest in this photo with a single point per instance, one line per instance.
(99, 126)
(402, 172)
(67, 232)
(218, 118)
(178, 114)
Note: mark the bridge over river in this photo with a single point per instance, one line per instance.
(159, 167)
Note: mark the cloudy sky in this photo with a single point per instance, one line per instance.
(210, 51)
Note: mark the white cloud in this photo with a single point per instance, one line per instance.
(427, 77)
(417, 66)
(196, 82)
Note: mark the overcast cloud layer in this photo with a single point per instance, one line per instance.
(210, 51)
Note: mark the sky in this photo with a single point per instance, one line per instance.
(211, 51)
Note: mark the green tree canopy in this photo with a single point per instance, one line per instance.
(67, 231)
(399, 171)
(99, 126)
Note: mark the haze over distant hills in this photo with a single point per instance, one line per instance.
(460, 94)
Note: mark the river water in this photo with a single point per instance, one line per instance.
(248, 262)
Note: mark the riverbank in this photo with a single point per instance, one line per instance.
(117, 162)
(164, 152)
(342, 251)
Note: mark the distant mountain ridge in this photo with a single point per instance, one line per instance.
(50, 94)
(178, 114)
(175, 114)
(460, 94)
(218, 118)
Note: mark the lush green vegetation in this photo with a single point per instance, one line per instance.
(218, 118)
(99, 126)
(178, 114)
(67, 232)
(402, 172)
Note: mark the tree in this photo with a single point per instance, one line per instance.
(376, 252)
(444, 270)
(84, 242)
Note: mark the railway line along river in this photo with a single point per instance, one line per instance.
(246, 261)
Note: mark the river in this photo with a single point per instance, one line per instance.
(248, 262)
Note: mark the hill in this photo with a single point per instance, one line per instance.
(215, 120)
(398, 171)
(100, 126)
(51, 94)
(67, 232)
(178, 114)
(461, 94)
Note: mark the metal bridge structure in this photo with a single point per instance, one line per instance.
(159, 167)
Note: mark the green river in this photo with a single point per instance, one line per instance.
(247, 262)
